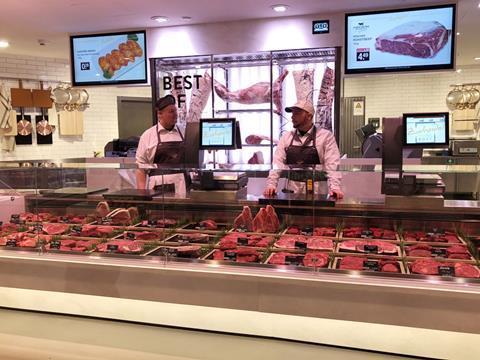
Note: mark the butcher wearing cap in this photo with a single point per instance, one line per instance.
(162, 144)
(305, 145)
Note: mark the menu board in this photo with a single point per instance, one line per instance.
(105, 59)
(408, 39)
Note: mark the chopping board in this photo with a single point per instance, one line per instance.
(23, 139)
(71, 123)
(12, 122)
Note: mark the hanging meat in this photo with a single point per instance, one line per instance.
(304, 84)
(181, 99)
(256, 159)
(257, 139)
(199, 98)
(323, 113)
(258, 93)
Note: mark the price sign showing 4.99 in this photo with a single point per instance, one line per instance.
(363, 54)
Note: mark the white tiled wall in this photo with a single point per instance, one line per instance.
(393, 95)
(100, 119)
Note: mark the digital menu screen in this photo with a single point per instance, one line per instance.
(217, 133)
(397, 40)
(425, 129)
(105, 59)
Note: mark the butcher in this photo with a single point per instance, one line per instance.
(161, 147)
(305, 145)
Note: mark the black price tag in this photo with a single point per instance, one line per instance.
(242, 241)
(130, 236)
(446, 270)
(302, 245)
(64, 219)
(371, 249)
(371, 265)
(112, 247)
(199, 226)
(307, 231)
(1, 223)
(11, 243)
(152, 223)
(77, 229)
(184, 242)
(55, 244)
(242, 228)
(230, 255)
(38, 227)
(106, 220)
(293, 260)
(366, 234)
(363, 54)
(168, 251)
(15, 218)
(439, 252)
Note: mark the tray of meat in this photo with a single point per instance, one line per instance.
(366, 263)
(207, 225)
(328, 231)
(434, 236)
(72, 245)
(73, 219)
(239, 255)
(374, 247)
(369, 233)
(160, 223)
(9, 228)
(180, 252)
(423, 250)
(95, 231)
(444, 268)
(303, 243)
(195, 238)
(24, 240)
(141, 235)
(235, 239)
(28, 217)
(127, 247)
(313, 259)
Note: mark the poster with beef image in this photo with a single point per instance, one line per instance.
(411, 39)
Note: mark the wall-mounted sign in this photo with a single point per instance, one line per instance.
(358, 108)
(320, 27)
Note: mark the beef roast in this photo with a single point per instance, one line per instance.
(374, 246)
(103, 209)
(315, 259)
(209, 224)
(244, 220)
(420, 39)
(55, 229)
(133, 212)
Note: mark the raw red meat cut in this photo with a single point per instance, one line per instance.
(351, 263)
(199, 98)
(319, 243)
(243, 255)
(209, 224)
(102, 209)
(133, 212)
(55, 229)
(121, 217)
(419, 250)
(315, 259)
(425, 267)
(431, 267)
(288, 242)
(257, 139)
(8, 227)
(421, 39)
(458, 252)
(258, 93)
(191, 251)
(361, 246)
(279, 258)
(96, 230)
(257, 158)
(230, 241)
(193, 237)
(143, 235)
(466, 270)
(293, 230)
(266, 220)
(303, 80)
(124, 246)
(326, 95)
(358, 263)
(244, 220)
(325, 231)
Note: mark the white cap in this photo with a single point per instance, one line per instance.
(302, 104)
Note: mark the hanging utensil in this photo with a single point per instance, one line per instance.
(453, 98)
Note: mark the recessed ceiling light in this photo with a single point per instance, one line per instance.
(160, 19)
(458, 34)
(280, 8)
(459, 70)
(4, 44)
(477, 58)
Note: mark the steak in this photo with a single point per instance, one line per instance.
(315, 259)
(288, 242)
(191, 251)
(242, 255)
(458, 252)
(194, 237)
(209, 224)
(319, 243)
(325, 231)
(466, 270)
(244, 220)
(96, 230)
(351, 263)
(103, 209)
(230, 241)
(133, 212)
(266, 220)
(419, 250)
(143, 235)
(279, 258)
(9, 227)
(121, 217)
(256, 159)
(425, 267)
(420, 39)
(124, 246)
(382, 247)
(55, 229)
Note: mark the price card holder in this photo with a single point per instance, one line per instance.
(38, 227)
(301, 245)
(241, 228)
(242, 241)
(198, 226)
(294, 260)
(184, 242)
(63, 219)
(55, 244)
(230, 256)
(11, 243)
(371, 265)
(366, 234)
(130, 236)
(373, 249)
(76, 230)
(111, 248)
(446, 270)
(308, 231)
(107, 220)
(439, 252)
(15, 218)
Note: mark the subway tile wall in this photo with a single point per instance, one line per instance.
(100, 119)
(393, 95)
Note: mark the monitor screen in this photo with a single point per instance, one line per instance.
(428, 129)
(106, 59)
(217, 134)
(399, 40)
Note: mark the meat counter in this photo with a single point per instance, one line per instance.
(399, 280)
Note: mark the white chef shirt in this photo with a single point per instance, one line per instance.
(328, 154)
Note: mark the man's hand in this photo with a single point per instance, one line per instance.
(336, 194)
(270, 191)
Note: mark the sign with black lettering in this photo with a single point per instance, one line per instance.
(76, 230)
(371, 265)
(230, 255)
(15, 218)
(55, 244)
(439, 252)
(320, 27)
(112, 247)
(371, 248)
(301, 245)
(242, 241)
(130, 236)
(293, 260)
(11, 243)
(38, 227)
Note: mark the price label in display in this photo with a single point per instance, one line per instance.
(64, 219)
(76, 229)
(439, 252)
(38, 227)
(184, 242)
(363, 54)
(106, 220)
(302, 245)
(112, 248)
(55, 244)
(293, 260)
(171, 252)
(11, 243)
(446, 270)
(370, 265)
(243, 241)
(307, 231)
(130, 236)
(15, 218)
(241, 228)
(367, 234)
(230, 255)
(371, 249)
(1, 223)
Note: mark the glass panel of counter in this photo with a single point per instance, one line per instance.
(222, 215)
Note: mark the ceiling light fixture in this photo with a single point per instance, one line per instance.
(477, 58)
(458, 34)
(459, 71)
(4, 44)
(280, 8)
(160, 19)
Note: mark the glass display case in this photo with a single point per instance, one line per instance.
(231, 248)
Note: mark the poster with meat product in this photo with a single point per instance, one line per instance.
(413, 39)
(109, 58)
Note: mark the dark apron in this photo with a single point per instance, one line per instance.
(169, 153)
(302, 155)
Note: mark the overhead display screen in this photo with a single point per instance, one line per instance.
(217, 134)
(425, 129)
(398, 40)
(105, 59)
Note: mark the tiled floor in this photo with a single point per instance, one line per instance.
(36, 336)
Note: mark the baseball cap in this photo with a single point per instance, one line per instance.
(302, 104)
(163, 102)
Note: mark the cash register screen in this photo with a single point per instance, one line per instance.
(425, 129)
(217, 133)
